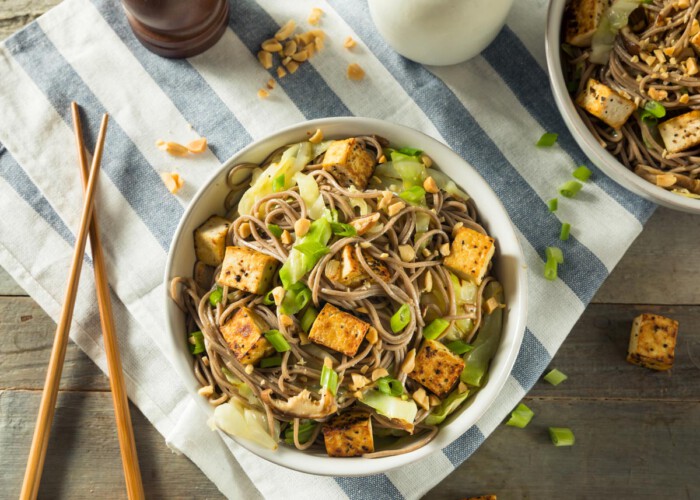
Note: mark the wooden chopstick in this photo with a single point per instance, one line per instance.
(125, 431)
(47, 407)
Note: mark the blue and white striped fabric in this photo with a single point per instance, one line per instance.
(491, 110)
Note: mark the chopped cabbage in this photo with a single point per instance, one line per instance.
(465, 291)
(612, 21)
(310, 193)
(298, 263)
(448, 406)
(390, 406)
(235, 419)
(243, 389)
(358, 202)
(447, 184)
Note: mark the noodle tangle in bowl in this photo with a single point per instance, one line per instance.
(342, 301)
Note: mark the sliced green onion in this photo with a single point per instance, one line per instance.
(570, 188)
(401, 318)
(196, 342)
(278, 183)
(306, 430)
(547, 140)
(277, 340)
(561, 436)
(216, 296)
(331, 214)
(271, 362)
(459, 347)
(307, 320)
(414, 194)
(435, 328)
(582, 173)
(550, 269)
(269, 299)
(409, 151)
(565, 230)
(553, 204)
(655, 108)
(312, 249)
(556, 254)
(275, 230)
(520, 417)
(329, 379)
(555, 377)
(390, 386)
(343, 230)
(648, 119)
(295, 298)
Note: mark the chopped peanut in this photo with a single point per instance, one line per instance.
(286, 237)
(286, 30)
(206, 391)
(271, 45)
(281, 72)
(427, 161)
(249, 369)
(271, 83)
(407, 253)
(290, 48)
(665, 180)
(379, 373)
(421, 398)
(319, 43)
(349, 43)
(657, 95)
(172, 148)
(317, 137)
(292, 66)
(278, 295)
(382, 159)
(456, 228)
(430, 185)
(301, 56)
(395, 208)
(315, 16)
(301, 227)
(434, 400)
(445, 249)
(359, 381)
(198, 145)
(692, 66)
(265, 59)
(684, 99)
(462, 388)
(491, 305)
(355, 72)
(172, 181)
(409, 363)
(263, 94)
(428, 282)
(372, 335)
(244, 230)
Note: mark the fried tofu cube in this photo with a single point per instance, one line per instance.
(210, 240)
(582, 20)
(248, 270)
(470, 254)
(652, 341)
(349, 163)
(682, 132)
(352, 274)
(244, 334)
(349, 434)
(605, 104)
(338, 330)
(437, 368)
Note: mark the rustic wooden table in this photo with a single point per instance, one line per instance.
(636, 430)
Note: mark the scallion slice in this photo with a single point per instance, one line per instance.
(196, 342)
(409, 151)
(555, 377)
(216, 296)
(561, 436)
(459, 347)
(414, 194)
(582, 173)
(553, 204)
(295, 298)
(570, 188)
(278, 183)
(550, 269)
(312, 249)
(565, 230)
(401, 318)
(307, 320)
(547, 140)
(655, 108)
(556, 254)
(390, 386)
(269, 299)
(277, 340)
(343, 230)
(435, 328)
(275, 230)
(271, 362)
(329, 379)
(520, 417)
(306, 429)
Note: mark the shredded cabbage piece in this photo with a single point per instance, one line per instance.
(235, 419)
(390, 406)
(310, 194)
(612, 21)
(358, 202)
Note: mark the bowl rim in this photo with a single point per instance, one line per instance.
(514, 325)
(595, 152)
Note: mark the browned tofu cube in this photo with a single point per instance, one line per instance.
(605, 104)
(352, 274)
(349, 434)
(349, 163)
(582, 20)
(248, 270)
(470, 254)
(244, 334)
(437, 368)
(210, 240)
(682, 132)
(653, 341)
(338, 330)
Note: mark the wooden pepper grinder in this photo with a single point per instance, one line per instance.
(177, 28)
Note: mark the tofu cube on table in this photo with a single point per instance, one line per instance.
(338, 330)
(582, 19)
(349, 163)
(348, 434)
(470, 254)
(437, 368)
(682, 132)
(248, 270)
(210, 240)
(244, 334)
(605, 104)
(653, 342)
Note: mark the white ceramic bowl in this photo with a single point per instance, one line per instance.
(509, 268)
(595, 152)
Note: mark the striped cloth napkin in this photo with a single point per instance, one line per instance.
(491, 110)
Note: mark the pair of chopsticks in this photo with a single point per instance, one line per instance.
(125, 433)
